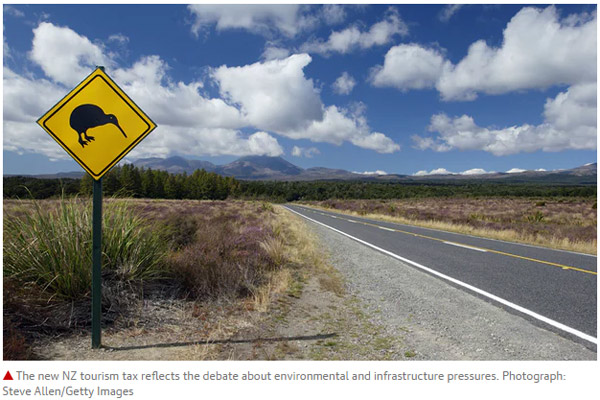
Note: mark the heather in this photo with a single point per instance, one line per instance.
(561, 222)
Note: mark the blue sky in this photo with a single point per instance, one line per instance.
(395, 88)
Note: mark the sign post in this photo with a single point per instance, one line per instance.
(96, 263)
(98, 107)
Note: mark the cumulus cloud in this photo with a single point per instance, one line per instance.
(353, 38)
(409, 66)
(437, 171)
(475, 171)
(515, 170)
(305, 152)
(276, 96)
(570, 123)
(378, 172)
(539, 50)
(25, 100)
(339, 125)
(176, 104)
(444, 171)
(344, 84)
(264, 19)
(273, 97)
(78, 55)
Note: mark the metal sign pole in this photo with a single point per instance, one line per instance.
(96, 263)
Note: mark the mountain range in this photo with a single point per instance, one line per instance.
(276, 168)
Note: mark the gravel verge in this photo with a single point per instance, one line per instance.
(435, 319)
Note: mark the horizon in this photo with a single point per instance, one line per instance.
(439, 172)
(396, 89)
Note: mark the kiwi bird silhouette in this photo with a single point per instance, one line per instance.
(88, 116)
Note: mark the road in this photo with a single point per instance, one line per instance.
(554, 288)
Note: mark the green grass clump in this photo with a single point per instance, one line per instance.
(49, 244)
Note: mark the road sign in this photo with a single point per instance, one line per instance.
(97, 123)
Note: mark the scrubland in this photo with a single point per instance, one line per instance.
(202, 260)
(563, 223)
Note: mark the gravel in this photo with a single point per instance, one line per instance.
(435, 319)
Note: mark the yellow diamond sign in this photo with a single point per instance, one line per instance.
(97, 123)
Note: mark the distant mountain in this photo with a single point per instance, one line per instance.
(260, 167)
(58, 175)
(276, 168)
(249, 168)
(175, 165)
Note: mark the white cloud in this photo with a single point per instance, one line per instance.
(353, 38)
(276, 96)
(273, 95)
(409, 66)
(515, 170)
(305, 152)
(475, 171)
(24, 101)
(273, 52)
(570, 124)
(65, 56)
(437, 171)
(448, 11)
(444, 171)
(205, 141)
(344, 84)
(378, 172)
(539, 50)
(264, 19)
(574, 113)
(339, 125)
(177, 104)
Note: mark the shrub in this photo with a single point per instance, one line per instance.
(232, 252)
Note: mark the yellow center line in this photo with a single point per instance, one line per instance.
(479, 248)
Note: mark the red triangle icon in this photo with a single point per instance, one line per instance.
(8, 376)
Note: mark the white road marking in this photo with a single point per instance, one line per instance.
(481, 292)
(464, 246)
(386, 229)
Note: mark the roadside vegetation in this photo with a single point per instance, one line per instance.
(567, 223)
(191, 253)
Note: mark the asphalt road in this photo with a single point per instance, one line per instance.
(556, 289)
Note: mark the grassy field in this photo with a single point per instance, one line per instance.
(189, 253)
(563, 223)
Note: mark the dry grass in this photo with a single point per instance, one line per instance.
(566, 224)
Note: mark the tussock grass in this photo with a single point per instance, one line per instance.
(48, 243)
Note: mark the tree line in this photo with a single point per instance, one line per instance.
(128, 181)
(131, 181)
